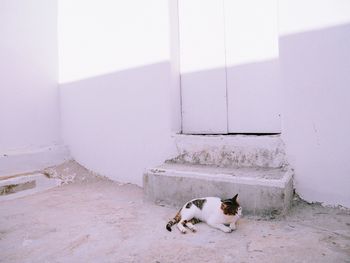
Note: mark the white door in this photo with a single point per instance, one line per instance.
(202, 66)
(229, 66)
(252, 66)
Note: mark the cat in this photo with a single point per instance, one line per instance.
(217, 213)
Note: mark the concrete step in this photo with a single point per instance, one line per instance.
(263, 191)
(230, 150)
(16, 186)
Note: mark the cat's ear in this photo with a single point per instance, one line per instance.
(235, 197)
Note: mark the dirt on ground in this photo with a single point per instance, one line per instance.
(92, 219)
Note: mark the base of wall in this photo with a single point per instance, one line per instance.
(32, 160)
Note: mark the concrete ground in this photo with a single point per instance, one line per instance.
(91, 219)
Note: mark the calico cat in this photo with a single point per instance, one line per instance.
(215, 212)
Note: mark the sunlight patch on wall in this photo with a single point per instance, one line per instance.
(297, 16)
(105, 36)
(223, 33)
(251, 31)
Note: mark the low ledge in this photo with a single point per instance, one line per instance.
(21, 186)
(32, 160)
(262, 191)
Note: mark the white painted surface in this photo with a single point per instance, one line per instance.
(312, 71)
(175, 92)
(316, 79)
(253, 88)
(24, 161)
(202, 66)
(101, 37)
(118, 124)
(218, 95)
(201, 24)
(251, 33)
(254, 98)
(29, 106)
(312, 15)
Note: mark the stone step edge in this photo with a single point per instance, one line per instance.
(230, 150)
(14, 176)
(278, 183)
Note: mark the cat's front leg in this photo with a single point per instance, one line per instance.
(233, 223)
(181, 227)
(222, 227)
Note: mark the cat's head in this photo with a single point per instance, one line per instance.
(231, 206)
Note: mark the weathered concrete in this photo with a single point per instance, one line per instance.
(255, 167)
(23, 185)
(262, 191)
(231, 150)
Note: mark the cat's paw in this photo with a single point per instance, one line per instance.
(193, 229)
(181, 228)
(226, 229)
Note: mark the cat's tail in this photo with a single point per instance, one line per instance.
(173, 221)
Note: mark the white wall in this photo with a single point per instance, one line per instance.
(119, 92)
(297, 16)
(29, 107)
(315, 67)
(100, 37)
(119, 117)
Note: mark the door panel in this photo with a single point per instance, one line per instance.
(252, 66)
(254, 98)
(229, 66)
(202, 66)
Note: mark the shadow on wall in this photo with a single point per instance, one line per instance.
(315, 74)
(120, 123)
(253, 98)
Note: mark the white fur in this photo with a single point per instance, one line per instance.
(211, 213)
